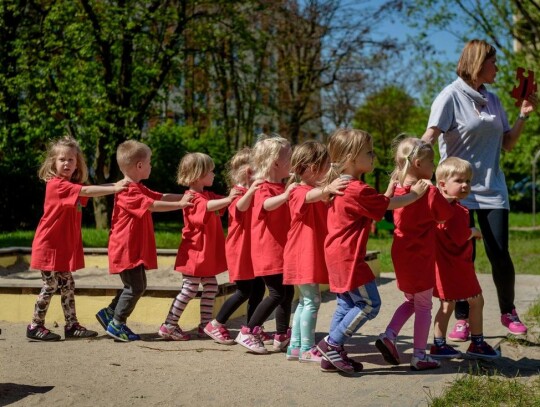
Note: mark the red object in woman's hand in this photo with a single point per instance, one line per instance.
(527, 86)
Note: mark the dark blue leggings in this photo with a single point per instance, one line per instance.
(494, 226)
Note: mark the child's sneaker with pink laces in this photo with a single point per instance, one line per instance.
(461, 331)
(173, 333)
(388, 349)
(335, 355)
(251, 340)
(514, 325)
(312, 355)
(293, 353)
(427, 362)
(281, 341)
(220, 334)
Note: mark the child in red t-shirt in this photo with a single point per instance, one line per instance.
(57, 247)
(413, 251)
(349, 222)
(455, 278)
(238, 249)
(303, 258)
(201, 255)
(132, 245)
(271, 162)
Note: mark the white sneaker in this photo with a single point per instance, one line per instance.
(427, 362)
(251, 340)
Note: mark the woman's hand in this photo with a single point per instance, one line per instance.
(529, 105)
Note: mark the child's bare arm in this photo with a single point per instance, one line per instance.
(171, 197)
(275, 202)
(167, 206)
(243, 203)
(323, 194)
(475, 234)
(417, 190)
(218, 204)
(104, 189)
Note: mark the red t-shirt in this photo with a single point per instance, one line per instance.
(413, 248)
(303, 257)
(202, 250)
(57, 244)
(238, 241)
(455, 278)
(268, 231)
(131, 240)
(349, 222)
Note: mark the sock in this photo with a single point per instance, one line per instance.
(439, 342)
(331, 342)
(215, 323)
(390, 334)
(419, 353)
(477, 339)
(110, 311)
(116, 322)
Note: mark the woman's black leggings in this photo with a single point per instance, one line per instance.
(251, 291)
(279, 299)
(494, 226)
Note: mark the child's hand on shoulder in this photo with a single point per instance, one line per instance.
(391, 188)
(186, 199)
(336, 187)
(291, 187)
(234, 192)
(121, 185)
(475, 234)
(420, 187)
(255, 185)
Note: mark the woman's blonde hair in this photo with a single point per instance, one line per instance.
(344, 146)
(130, 152)
(265, 152)
(453, 166)
(48, 168)
(406, 150)
(192, 167)
(308, 154)
(472, 58)
(238, 166)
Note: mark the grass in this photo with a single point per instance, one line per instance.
(481, 391)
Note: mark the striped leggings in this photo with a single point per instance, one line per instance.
(190, 287)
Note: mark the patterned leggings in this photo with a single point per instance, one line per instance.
(190, 287)
(305, 317)
(52, 281)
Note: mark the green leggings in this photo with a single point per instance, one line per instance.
(305, 317)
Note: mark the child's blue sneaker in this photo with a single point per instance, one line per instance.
(104, 317)
(121, 332)
(444, 352)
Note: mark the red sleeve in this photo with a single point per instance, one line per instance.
(457, 228)
(68, 192)
(197, 213)
(297, 200)
(371, 203)
(135, 201)
(440, 208)
(212, 196)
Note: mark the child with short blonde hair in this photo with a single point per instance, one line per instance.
(238, 249)
(201, 255)
(57, 249)
(271, 162)
(413, 251)
(455, 278)
(132, 245)
(349, 223)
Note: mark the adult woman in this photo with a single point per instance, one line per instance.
(470, 122)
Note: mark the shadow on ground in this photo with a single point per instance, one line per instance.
(13, 392)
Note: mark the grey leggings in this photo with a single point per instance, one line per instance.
(124, 302)
(494, 226)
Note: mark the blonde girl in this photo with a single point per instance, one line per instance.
(349, 220)
(304, 251)
(238, 249)
(201, 255)
(57, 247)
(413, 251)
(271, 163)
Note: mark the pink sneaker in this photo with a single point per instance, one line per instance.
(388, 349)
(461, 331)
(266, 338)
(281, 341)
(312, 355)
(173, 333)
(251, 340)
(220, 334)
(514, 325)
(424, 364)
